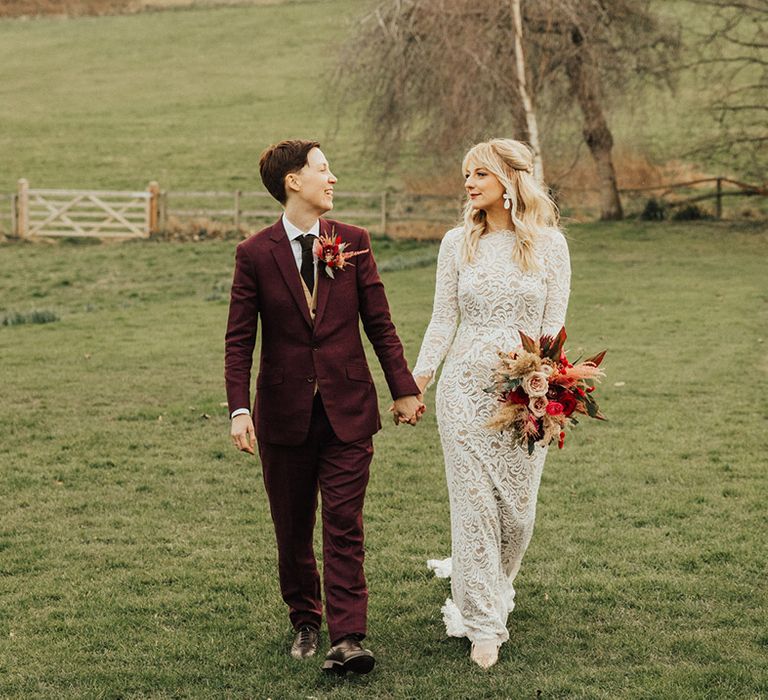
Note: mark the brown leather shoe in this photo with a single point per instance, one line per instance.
(348, 655)
(305, 644)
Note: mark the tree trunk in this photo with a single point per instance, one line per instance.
(532, 126)
(596, 133)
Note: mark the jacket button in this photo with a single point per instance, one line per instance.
(317, 347)
(310, 379)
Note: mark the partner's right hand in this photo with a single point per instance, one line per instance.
(242, 433)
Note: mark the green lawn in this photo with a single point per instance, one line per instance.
(136, 550)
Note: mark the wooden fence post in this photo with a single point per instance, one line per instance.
(22, 209)
(719, 200)
(162, 214)
(238, 194)
(154, 192)
(384, 213)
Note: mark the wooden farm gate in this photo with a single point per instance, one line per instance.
(86, 213)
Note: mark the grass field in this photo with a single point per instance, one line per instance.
(191, 97)
(136, 550)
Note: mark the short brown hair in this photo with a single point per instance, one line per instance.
(279, 160)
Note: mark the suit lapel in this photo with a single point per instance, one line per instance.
(323, 281)
(286, 263)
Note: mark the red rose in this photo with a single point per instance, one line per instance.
(554, 408)
(569, 403)
(516, 396)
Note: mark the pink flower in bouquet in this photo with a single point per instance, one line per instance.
(538, 406)
(535, 384)
(547, 369)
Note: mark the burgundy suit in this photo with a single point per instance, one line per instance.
(314, 440)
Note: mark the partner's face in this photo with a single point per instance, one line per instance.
(483, 187)
(316, 181)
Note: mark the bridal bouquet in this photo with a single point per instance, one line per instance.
(539, 390)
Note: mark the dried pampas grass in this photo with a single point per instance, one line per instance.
(521, 364)
(508, 417)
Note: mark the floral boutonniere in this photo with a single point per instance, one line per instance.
(330, 251)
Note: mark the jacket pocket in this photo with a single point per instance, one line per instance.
(359, 373)
(269, 377)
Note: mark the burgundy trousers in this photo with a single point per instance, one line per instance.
(293, 476)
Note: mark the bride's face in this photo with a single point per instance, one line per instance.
(483, 187)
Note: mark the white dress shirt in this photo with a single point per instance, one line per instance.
(293, 233)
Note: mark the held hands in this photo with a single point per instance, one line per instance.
(410, 409)
(242, 433)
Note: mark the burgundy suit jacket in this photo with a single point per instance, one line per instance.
(295, 353)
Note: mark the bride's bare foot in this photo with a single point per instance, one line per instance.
(485, 654)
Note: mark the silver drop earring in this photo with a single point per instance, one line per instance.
(507, 200)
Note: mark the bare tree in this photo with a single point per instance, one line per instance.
(525, 99)
(733, 59)
(448, 71)
(596, 53)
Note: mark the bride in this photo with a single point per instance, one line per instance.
(505, 270)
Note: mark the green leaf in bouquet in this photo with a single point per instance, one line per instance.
(531, 445)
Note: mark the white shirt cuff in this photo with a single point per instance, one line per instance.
(239, 411)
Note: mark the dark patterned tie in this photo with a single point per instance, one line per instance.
(307, 261)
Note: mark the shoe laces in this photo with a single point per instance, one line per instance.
(305, 635)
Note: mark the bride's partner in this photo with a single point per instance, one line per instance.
(316, 408)
(505, 270)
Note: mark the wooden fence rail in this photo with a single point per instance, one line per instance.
(743, 189)
(376, 210)
(125, 214)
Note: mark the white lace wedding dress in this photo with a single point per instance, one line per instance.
(492, 484)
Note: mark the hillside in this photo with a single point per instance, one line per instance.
(190, 98)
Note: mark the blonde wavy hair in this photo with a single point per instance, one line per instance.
(531, 208)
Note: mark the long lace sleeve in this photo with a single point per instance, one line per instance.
(445, 311)
(558, 285)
